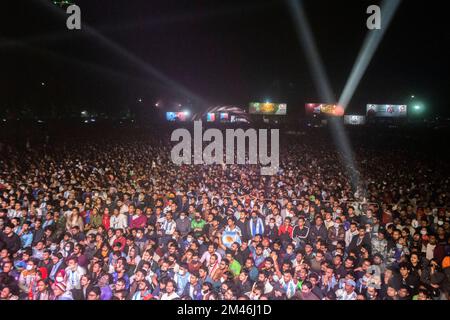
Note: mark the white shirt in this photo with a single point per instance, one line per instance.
(169, 227)
(14, 214)
(74, 277)
(341, 294)
(349, 236)
(430, 251)
(172, 296)
(119, 222)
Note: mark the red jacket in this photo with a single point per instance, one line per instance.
(105, 221)
(139, 222)
(122, 242)
(283, 229)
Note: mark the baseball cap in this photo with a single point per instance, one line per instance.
(350, 283)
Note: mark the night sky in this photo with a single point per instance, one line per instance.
(226, 52)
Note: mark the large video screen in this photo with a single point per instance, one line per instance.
(355, 120)
(176, 116)
(268, 108)
(324, 109)
(387, 110)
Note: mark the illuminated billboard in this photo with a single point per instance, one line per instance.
(210, 117)
(387, 110)
(324, 109)
(177, 116)
(224, 117)
(268, 108)
(355, 120)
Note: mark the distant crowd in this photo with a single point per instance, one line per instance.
(115, 219)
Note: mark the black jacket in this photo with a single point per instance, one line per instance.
(38, 235)
(315, 233)
(365, 242)
(11, 243)
(79, 294)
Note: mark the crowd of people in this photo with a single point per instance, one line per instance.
(115, 219)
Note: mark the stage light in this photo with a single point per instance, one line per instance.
(140, 100)
(42, 83)
(413, 96)
(418, 108)
(186, 112)
(339, 111)
(321, 81)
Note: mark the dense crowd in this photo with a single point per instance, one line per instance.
(96, 219)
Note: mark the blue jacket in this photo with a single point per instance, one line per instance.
(26, 239)
(196, 293)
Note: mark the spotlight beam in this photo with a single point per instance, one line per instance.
(322, 84)
(121, 51)
(306, 39)
(156, 22)
(368, 49)
(94, 67)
